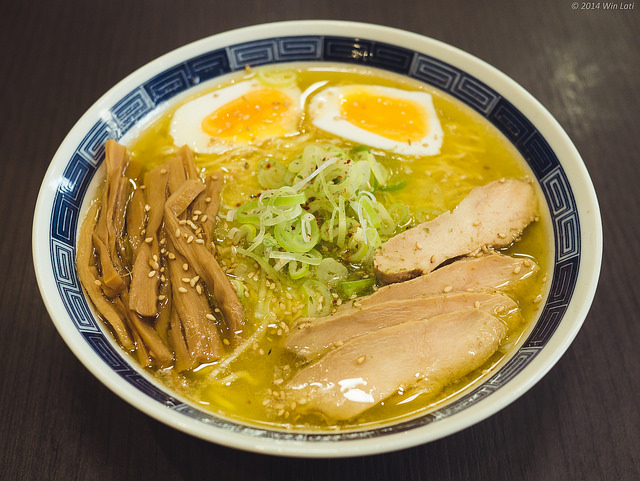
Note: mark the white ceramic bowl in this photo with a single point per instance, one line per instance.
(554, 160)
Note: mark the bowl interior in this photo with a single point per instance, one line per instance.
(508, 107)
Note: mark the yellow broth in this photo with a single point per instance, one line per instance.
(248, 387)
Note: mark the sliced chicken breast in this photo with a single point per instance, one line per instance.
(493, 215)
(487, 273)
(315, 336)
(428, 354)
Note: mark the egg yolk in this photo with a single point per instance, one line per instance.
(396, 119)
(257, 115)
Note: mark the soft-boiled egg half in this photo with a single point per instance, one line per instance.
(386, 118)
(245, 113)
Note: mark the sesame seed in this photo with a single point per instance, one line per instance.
(210, 316)
(199, 241)
(151, 273)
(186, 279)
(189, 239)
(147, 207)
(182, 289)
(204, 218)
(226, 342)
(207, 200)
(476, 304)
(361, 359)
(537, 299)
(194, 280)
(199, 289)
(172, 256)
(516, 269)
(97, 282)
(162, 297)
(185, 267)
(178, 233)
(447, 289)
(163, 171)
(433, 259)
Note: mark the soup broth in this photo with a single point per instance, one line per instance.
(247, 383)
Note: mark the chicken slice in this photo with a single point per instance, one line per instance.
(315, 336)
(487, 273)
(428, 354)
(493, 215)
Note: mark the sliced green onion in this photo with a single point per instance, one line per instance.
(357, 288)
(393, 187)
(325, 186)
(247, 213)
(297, 270)
(318, 298)
(239, 287)
(268, 268)
(245, 231)
(378, 171)
(271, 174)
(360, 148)
(289, 200)
(276, 77)
(312, 257)
(399, 213)
(330, 271)
(293, 237)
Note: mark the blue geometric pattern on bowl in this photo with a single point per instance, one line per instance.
(482, 98)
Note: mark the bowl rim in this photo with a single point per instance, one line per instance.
(590, 230)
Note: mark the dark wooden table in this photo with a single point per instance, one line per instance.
(580, 422)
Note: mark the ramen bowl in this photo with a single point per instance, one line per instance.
(71, 180)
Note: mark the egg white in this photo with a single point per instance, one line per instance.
(186, 123)
(325, 113)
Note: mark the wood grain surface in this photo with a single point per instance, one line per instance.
(580, 422)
